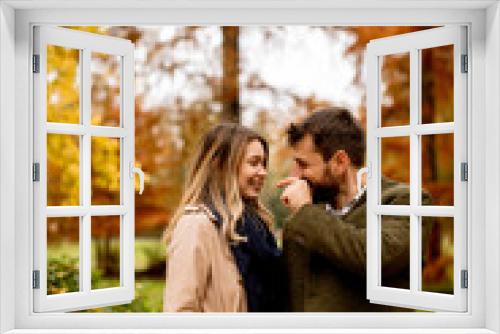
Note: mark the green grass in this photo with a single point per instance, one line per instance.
(64, 249)
(147, 250)
(148, 297)
(64, 258)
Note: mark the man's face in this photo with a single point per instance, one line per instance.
(310, 166)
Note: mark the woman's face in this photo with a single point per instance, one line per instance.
(253, 170)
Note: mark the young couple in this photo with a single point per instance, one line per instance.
(222, 255)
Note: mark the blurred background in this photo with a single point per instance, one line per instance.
(188, 78)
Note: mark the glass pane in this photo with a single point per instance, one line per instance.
(106, 82)
(395, 164)
(395, 241)
(395, 86)
(105, 252)
(105, 171)
(63, 255)
(437, 169)
(437, 84)
(63, 170)
(63, 84)
(437, 257)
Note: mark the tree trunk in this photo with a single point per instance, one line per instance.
(230, 74)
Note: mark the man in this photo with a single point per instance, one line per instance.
(324, 242)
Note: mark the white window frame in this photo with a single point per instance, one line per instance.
(412, 44)
(86, 43)
(16, 20)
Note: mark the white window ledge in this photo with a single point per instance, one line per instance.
(252, 331)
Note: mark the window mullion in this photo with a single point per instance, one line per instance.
(127, 155)
(377, 174)
(86, 182)
(80, 130)
(415, 253)
(372, 146)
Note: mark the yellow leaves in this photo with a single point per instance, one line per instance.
(101, 30)
(105, 156)
(63, 170)
(63, 85)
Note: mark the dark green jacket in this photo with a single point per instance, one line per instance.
(325, 255)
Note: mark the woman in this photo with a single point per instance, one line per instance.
(222, 256)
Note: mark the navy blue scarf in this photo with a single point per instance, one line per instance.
(260, 263)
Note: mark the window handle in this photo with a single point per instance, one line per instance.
(137, 170)
(359, 174)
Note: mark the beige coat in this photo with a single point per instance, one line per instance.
(201, 272)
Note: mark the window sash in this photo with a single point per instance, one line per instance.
(412, 43)
(86, 297)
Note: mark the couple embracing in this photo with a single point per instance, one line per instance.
(222, 254)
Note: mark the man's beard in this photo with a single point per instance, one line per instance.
(324, 194)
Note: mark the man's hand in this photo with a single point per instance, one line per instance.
(297, 193)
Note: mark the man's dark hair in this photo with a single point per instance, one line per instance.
(332, 129)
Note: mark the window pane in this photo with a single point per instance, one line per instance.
(63, 170)
(63, 84)
(105, 171)
(395, 90)
(395, 241)
(437, 257)
(395, 164)
(437, 84)
(105, 252)
(437, 169)
(106, 83)
(63, 255)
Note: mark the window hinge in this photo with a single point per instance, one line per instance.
(465, 279)
(464, 168)
(36, 279)
(36, 63)
(465, 66)
(36, 172)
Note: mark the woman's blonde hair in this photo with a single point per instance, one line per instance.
(213, 178)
